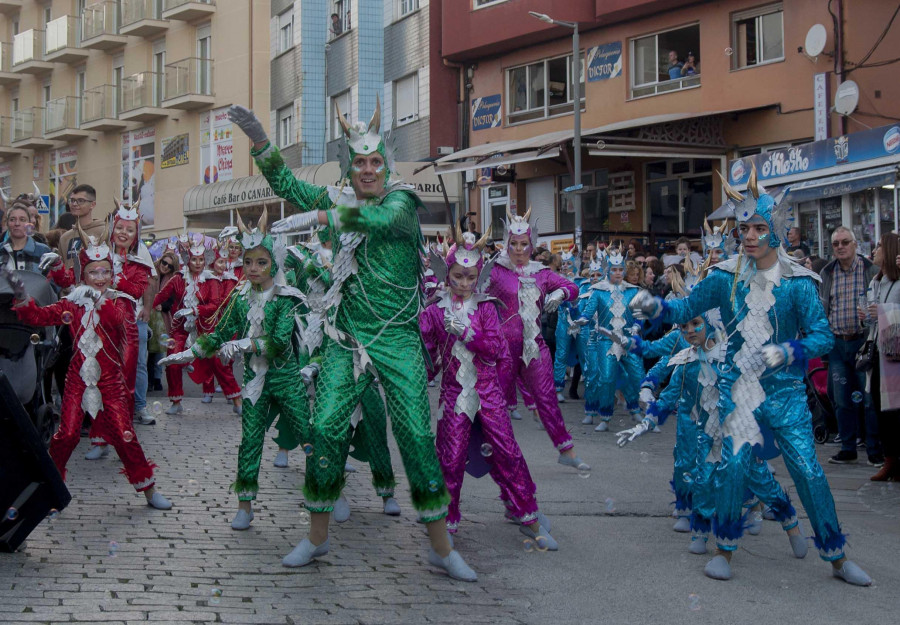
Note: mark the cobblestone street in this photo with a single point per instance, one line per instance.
(110, 558)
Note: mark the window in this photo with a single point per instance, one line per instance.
(285, 127)
(47, 16)
(484, 3)
(758, 36)
(285, 31)
(540, 90)
(408, 6)
(340, 18)
(666, 61)
(204, 52)
(343, 101)
(406, 99)
(45, 94)
(118, 77)
(594, 202)
(159, 69)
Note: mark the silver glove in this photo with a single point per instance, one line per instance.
(310, 372)
(178, 359)
(48, 260)
(773, 355)
(553, 301)
(620, 339)
(453, 326)
(582, 321)
(246, 120)
(230, 349)
(626, 436)
(184, 312)
(300, 221)
(644, 305)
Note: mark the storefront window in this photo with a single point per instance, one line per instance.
(831, 219)
(810, 225)
(862, 211)
(886, 209)
(594, 203)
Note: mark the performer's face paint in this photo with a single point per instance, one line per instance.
(234, 250)
(196, 264)
(755, 236)
(367, 174)
(595, 277)
(715, 256)
(97, 275)
(258, 267)
(694, 331)
(519, 249)
(220, 266)
(462, 280)
(616, 274)
(124, 233)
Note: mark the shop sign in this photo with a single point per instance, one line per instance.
(486, 112)
(249, 195)
(604, 61)
(852, 148)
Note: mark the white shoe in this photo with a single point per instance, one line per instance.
(175, 409)
(430, 383)
(514, 415)
(144, 417)
(281, 459)
(238, 410)
(349, 468)
(603, 426)
(454, 564)
(341, 510)
(304, 553)
(588, 420)
(391, 507)
(560, 397)
(241, 520)
(97, 452)
(159, 502)
(207, 399)
(218, 389)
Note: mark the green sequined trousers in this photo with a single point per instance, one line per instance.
(280, 398)
(379, 310)
(370, 443)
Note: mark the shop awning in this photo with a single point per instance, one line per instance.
(831, 186)
(548, 145)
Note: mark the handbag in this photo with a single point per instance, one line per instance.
(865, 357)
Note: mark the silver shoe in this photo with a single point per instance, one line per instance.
(454, 565)
(341, 511)
(175, 409)
(304, 553)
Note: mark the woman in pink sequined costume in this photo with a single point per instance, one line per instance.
(462, 333)
(525, 287)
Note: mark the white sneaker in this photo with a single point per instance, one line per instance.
(207, 399)
(144, 417)
(588, 420)
(281, 459)
(560, 397)
(341, 510)
(514, 415)
(97, 452)
(175, 409)
(603, 426)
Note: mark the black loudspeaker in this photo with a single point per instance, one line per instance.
(30, 485)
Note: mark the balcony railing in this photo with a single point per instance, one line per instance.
(188, 10)
(665, 86)
(62, 114)
(28, 124)
(168, 5)
(141, 90)
(62, 33)
(28, 46)
(100, 26)
(6, 137)
(192, 76)
(142, 18)
(99, 103)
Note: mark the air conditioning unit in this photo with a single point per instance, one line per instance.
(445, 150)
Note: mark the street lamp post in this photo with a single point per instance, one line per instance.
(575, 188)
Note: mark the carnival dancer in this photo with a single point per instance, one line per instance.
(132, 268)
(371, 327)
(693, 395)
(215, 286)
(183, 290)
(612, 367)
(774, 322)
(568, 349)
(260, 313)
(95, 384)
(525, 287)
(462, 335)
(308, 269)
(235, 256)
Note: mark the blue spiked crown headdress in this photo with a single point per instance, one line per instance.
(759, 204)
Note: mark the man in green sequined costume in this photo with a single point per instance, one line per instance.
(261, 312)
(370, 325)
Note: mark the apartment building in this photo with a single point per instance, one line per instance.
(130, 97)
(339, 54)
(657, 129)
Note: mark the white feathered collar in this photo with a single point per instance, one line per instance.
(530, 269)
(788, 268)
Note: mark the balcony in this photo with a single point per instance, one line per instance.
(188, 10)
(141, 96)
(7, 76)
(142, 19)
(189, 84)
(28, 53)
(100, 26)
(62, 120)
(10, 6)
(6, 149)
(28, 129)
(62, 41)
(100, 109)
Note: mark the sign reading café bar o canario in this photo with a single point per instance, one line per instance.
(256, 194)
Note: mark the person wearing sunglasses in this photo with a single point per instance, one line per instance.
(844, 280)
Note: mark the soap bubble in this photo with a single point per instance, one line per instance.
(52, 514)
(857, 397)
(215, 596)
(433, 486)
(695, 602)
(610, 504)
(308, 449)
(541, 544)
(304, 518)
(127, 436)
(528, 545)
(12, 514)
(687, 477)
(67, 317)
(192, 488)
(113, 549)
(35, 339)
(170, 344)
(157, 408)
(645, 457)
(486, 450)
(207, 467)
(323, 462)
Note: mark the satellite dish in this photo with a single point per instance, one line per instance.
(846, 98)
(815, 40)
